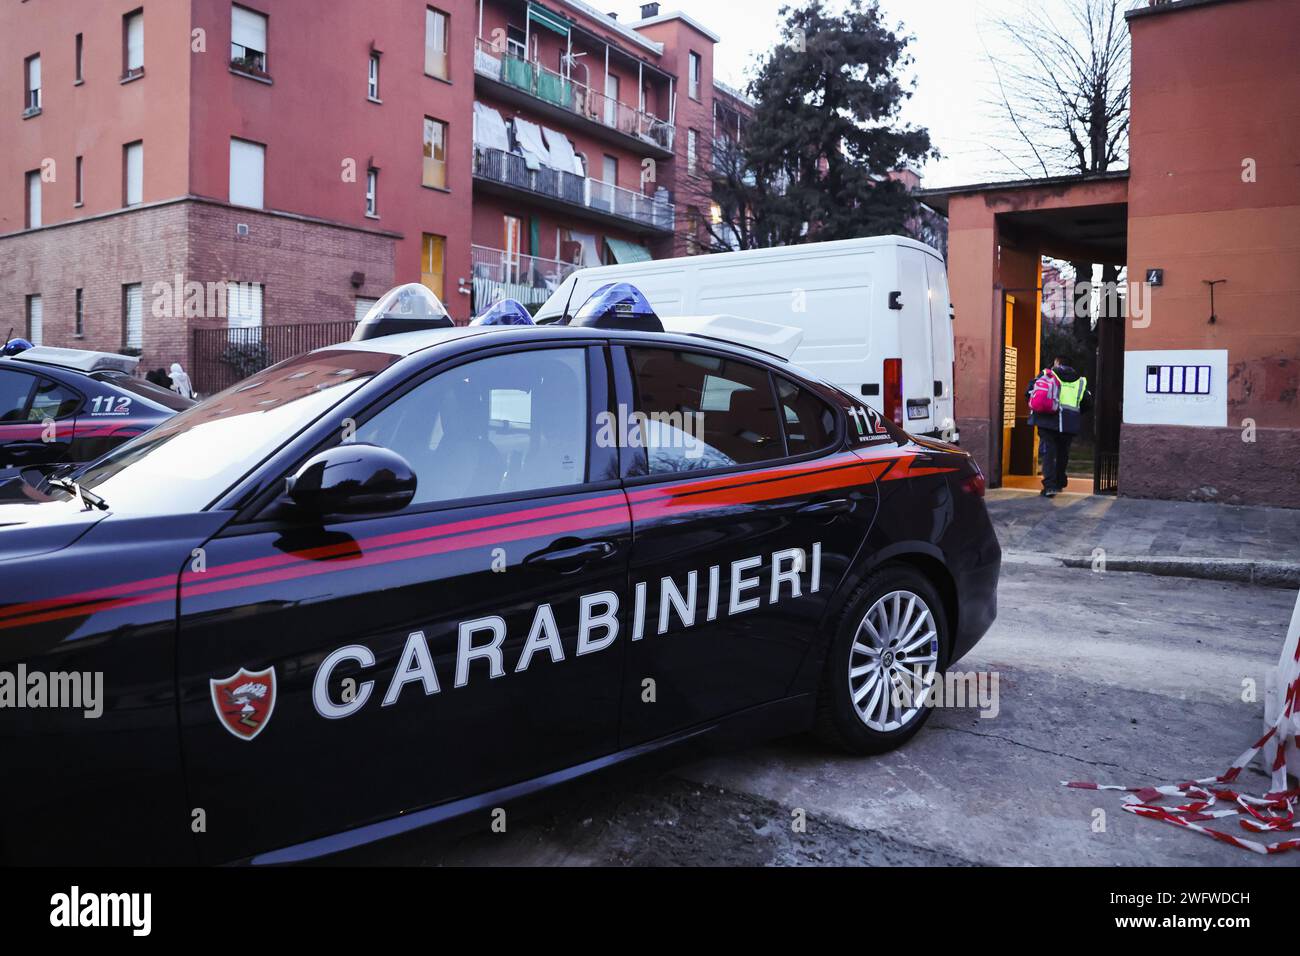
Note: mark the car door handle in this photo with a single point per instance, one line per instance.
(827, 509)
(571, 559)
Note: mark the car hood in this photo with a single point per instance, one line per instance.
(31, 524)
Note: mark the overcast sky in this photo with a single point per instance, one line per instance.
(951, 67)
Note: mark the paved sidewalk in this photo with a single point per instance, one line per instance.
(1186, 538)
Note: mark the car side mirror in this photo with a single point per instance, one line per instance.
(354, 478)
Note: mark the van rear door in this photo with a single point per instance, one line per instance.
(941, 347)
(914, 333)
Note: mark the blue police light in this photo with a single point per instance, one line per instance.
(407, 308)
(618, 305)
(14, 346)
(505, 312)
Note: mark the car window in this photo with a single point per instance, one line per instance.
(15, 389)
(700, 411)
(52, 400)
(185, 463)
(507, 423)
(147, 390)
(809, 422)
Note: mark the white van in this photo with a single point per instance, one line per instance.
(875, 313)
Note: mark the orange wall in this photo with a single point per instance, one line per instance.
(1214, 86)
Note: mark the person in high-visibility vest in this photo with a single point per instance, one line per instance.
(1056, 430)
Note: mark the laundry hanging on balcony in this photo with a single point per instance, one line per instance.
(490, 129)
(528, 136)
(562, 154)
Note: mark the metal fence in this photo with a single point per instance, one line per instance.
(221, 357)
(511, 169)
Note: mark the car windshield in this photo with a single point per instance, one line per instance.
(189, 460)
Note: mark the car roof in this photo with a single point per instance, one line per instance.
(404, 344)
(76, 360)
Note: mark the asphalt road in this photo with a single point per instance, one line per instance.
(1114, 677)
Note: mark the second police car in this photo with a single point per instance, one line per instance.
(61, 405)
(417, 575)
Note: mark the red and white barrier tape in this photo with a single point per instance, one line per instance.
(1274, 811)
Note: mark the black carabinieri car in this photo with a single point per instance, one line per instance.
(70, 405)
(400, 580)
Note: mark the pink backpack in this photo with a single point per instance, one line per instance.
(1046, 396)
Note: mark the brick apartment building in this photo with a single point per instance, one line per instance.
(310, 155)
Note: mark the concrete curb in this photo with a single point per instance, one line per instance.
(1269, 574)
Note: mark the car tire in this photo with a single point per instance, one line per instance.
(864, 725)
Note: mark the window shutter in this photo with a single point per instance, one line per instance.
(134, 317)
(247, 173)
(244, 305)
(34, 74)
(134, 174)
(135, 41)
(34, 200)
(36, 320)
(248, 29)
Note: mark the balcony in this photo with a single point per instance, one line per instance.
(510, 174)
(517, 81)
(510, 275)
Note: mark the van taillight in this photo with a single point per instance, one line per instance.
(894, 391)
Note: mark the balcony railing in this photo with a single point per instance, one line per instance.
(578, 98)
(512, 169)
(499, 274)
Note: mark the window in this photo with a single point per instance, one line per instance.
(609, 170)
(132, 316)
(32, 90)
(435, 153)
(79, 59)
(52, 400)
(436, 25)
(508, 423)
(15, 390)
(133, 44)
(372, 193)
(703, 411)
(513, 248)
(244, 311)
(692, 144)
(247, 173)
(611, 100)
(515, 45)
(34, 199)
(35, 319)
(372, 89)
(133, 174)
(363, 306)
(79, 187)
(203, 450)
(248, 40)
(79, 316)
(809, 422)
(692, 237)
(432, 258)
(694, 87)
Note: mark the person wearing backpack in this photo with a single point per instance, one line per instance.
(1057, 401)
